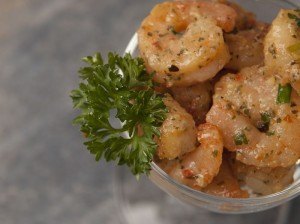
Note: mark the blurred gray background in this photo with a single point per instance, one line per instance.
(46, 175)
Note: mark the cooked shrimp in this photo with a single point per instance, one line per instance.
(225, 184)
(196, 99)
(279, 53)
(199, 167)
(178, 132)
(246, 47)
(244, 20)
(224, 16)
(263, 132)
(263, 180)
(182, 42)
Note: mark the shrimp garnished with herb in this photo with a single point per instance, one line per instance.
(196, 99)
(246, 47)
(182, 42)
(199, 167)
(178, 133)
(282, 48)
(258, 118)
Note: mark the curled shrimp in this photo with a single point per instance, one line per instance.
(246, 47)
(178, 132)
(182, 42)
(244, 19)
(260, 130)
(263, 180)
(196, 99)
(225, 184)
(199, 167)
(282, 48)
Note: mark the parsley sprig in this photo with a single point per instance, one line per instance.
(124, 88)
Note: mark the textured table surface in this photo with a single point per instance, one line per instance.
(46, 175)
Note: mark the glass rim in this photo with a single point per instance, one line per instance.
(289, 192)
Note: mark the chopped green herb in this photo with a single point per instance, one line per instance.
(265, 121)
(267, 155)
(172, 29)
(295, 17)
(270, 133)
(181, 52)
(239, 88)
(241, 139)
(284, 94)
(266, 117)
(215, 153)
(247, 128)
(244, 108)
(108, 87)
(272, 50)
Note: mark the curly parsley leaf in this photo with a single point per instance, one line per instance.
(119, 89)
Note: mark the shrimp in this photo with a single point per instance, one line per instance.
(199, 167)
(182, 42)
(280, 56)
(263, 180)
(225, 184)
(261, 131)
(196, 99)
(246, 47)
(178, 132)
(244, 20)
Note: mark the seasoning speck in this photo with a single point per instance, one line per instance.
(173, 68)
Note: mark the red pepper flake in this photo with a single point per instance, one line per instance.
(238, 77)
(288, 119)
(187, 173)
(156, 44)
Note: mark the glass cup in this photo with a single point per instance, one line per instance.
(266, 10)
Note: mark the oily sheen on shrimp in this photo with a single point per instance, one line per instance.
(178, 133)
(198, 167)
(279, 58)
(182, 42)
(263, 132)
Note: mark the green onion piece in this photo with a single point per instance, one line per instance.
(284, 94)
(241, 139)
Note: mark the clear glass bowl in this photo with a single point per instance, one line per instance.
(265, 10)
